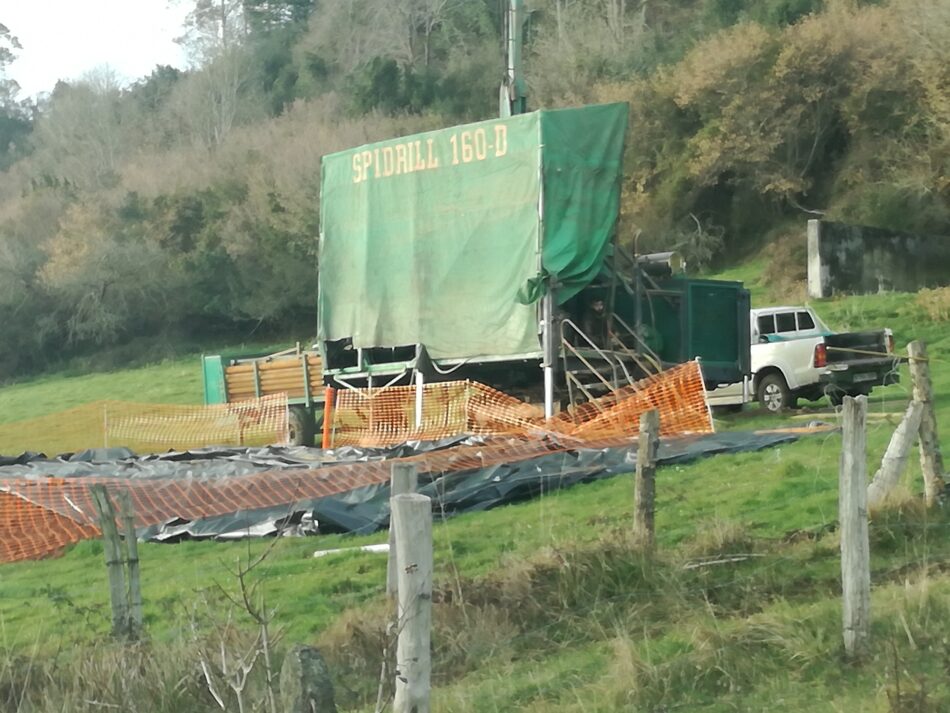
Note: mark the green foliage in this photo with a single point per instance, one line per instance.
(816, 115)
(189, 201)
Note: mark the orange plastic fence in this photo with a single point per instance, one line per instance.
(147, 428)
(679, 394)
(38, 517)
(386, 417)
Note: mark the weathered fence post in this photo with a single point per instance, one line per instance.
(112, 549)
(412, 516)
(895, 458)
(404, 479)
(645, 487)
(931, 460)
(853, 521)
(126, 513)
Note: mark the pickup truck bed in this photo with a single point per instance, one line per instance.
(852, 367)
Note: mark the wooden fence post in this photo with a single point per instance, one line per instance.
(931, 460)
(112, 549)
(126, 514)
(645, 487)
(853, 521)
(895, 458)
(412, 515)
(404, 479)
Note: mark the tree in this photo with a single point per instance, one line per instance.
(9, 88)
(210, 100)
(80, 137)
(213, 27)
(108, 284)
(15, 116)
(265, 16)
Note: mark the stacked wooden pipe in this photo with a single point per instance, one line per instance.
(275, 375)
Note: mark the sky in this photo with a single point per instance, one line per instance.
(64, 39)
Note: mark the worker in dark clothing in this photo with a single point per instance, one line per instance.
(595, 322)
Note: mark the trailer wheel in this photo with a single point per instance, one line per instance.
(300, 426)
(773, 393)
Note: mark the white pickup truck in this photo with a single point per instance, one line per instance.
(795, 355)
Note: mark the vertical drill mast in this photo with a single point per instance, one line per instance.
(512, 97)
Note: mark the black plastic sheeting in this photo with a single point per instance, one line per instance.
(366, 509)
(211, 462)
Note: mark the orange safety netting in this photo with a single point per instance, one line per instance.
(148, 428)
(38, 517)
(679, 394)
(386, 417)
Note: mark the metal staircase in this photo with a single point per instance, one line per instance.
(592, 371)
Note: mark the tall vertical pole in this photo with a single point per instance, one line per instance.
(127, 515)
(547, 347)
(645, 487)
(118, 594)
(403, 479)
(420, 390)
(512, 96)
(412, 518)
(931, 460)
(853, 522)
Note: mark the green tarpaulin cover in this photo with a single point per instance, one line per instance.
(444, 238)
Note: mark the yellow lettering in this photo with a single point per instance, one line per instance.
(501, 139)
(367, 160)
(388, 162)
(431, 160)
(420, 162)
(402, 166)
(376, 161)
(356, 168)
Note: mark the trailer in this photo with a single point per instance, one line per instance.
(296, 372)
(489, 252)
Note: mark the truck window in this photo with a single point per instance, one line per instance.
(785, 322)
(805, 321)
(766, 324)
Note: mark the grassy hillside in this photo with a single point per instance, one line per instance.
(171, 381)
(545, 605)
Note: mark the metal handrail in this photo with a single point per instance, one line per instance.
(570, 347)
(649, 354)
(611, 360)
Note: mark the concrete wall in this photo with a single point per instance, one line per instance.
(855, 259)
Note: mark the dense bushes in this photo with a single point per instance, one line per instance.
(190, 201)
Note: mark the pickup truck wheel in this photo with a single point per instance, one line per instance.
(773, 393)
(300, 426)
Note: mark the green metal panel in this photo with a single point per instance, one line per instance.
(688, 318)
(215, 389)
(663, 312)
(714, 329)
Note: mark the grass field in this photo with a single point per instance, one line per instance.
(545, 604)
